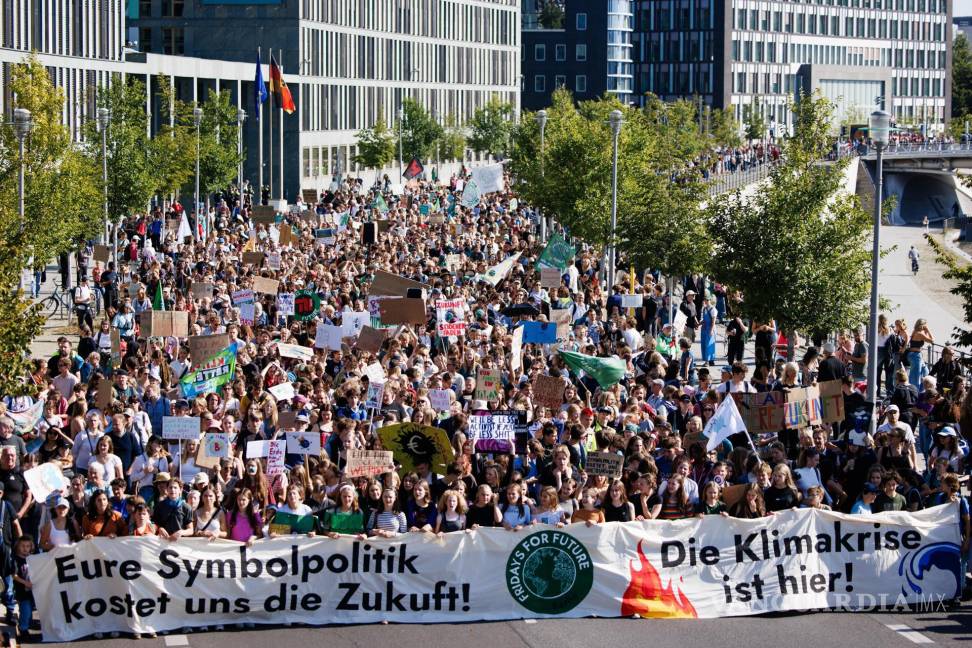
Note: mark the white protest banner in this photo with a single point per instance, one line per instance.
(304, 443)
(497, 425)
(632, 301)
(375, 372)
(488, 178)
(499, 271)
(275, 457)
(283, 391)
(44, 480)
(440, 399)
(257, 449)
(705, 567)
(328, 336)
(180, 428)
(376, 391)
(285, 303)
(352, 322)
(678, 324)
(450, 317)
(608, 464)
(368, 463)
(295, 351)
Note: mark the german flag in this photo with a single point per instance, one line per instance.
(279, 88)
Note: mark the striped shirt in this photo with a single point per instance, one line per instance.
(388, 521)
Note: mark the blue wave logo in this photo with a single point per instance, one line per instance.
(940, 556)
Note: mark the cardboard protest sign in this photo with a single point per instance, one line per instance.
(488, 384)
(283, 391)
(204, 347)
(450, 316)
(803, 408)
(368, 463)
(375, 372)
(265, 285)
(295, 351)
(273, 261)
(632, 301)
(155, 323)
(376, 391)
(550, 278)
(105, 394)
(285, 304)
(402, 311)
(370, 339)
(832, 400)
(309, 196)
(46, 479)
(539, 333)
(180, 428)
(413, 444)
(102, 253)
(386, 284)
(761, 412)
(608, 464)
(304, 443)
(678, 324)
(306, 305)
(287, 420)
(253, 258)
(264, 219)
(115, 347)
(549, 391)
(440, 399)
(287, 237)
(562, 318)
(328, 336)
(262, 211)
(216, 445)
(500, 426)
(201, 290)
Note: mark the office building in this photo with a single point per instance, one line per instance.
(343, 60)
(587, 51)
(963, 24)
(862, 54)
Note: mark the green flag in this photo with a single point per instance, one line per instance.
(558, 253)
(606, 371)
(158, 303)
(381, 204)
(435, 174)
(210, 375)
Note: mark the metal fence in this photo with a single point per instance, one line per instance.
(724, 182)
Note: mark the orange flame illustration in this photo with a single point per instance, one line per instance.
(646, 597)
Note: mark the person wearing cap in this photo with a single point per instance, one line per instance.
(868, 496)
(665, 342)
(830, 368)
(947, 447)
(688, 308)
(61, 530)
(737, 382)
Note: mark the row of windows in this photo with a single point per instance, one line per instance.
(338, 54)
(559, 81)
(89, 29)
(832, 25)
(770, 52)
(452, 19)
(560, 52)
(684, 80)
(778, 83)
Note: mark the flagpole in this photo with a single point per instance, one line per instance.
(273, 88)
(281, 151)
(259, 109)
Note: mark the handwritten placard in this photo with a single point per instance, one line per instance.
(368, 463)
(607, 464)
(180, 428)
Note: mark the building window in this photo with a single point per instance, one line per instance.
(144, 8)
(560, 81)
(145, 39)
(560, 52)
(173, 41)
(172, 8)
(539, 52)
(581, 22)
(580, 83)
(539, 83)
(580, 51)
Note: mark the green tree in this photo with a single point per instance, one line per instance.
(376, 145)
(452, 143)
(491, 127)
(172, 152)
(61, 186)
(419, 132)
(551, 15)
(755, 121)
(961, 76)
(799, 248)
(218, 142)
(724, 130)
(961, 274)
(131, 176)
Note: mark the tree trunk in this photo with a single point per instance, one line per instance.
(790, 345)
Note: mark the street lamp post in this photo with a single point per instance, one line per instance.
(542, 124)
(401, 169)
(879, 130)
(240, 118)
(616, 119)
(102, 120)
(197, 114)
(22, 125)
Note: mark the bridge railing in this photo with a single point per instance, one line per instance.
(724, 182)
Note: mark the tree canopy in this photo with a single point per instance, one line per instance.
(376, 145)
(419, 132)
(491, 128)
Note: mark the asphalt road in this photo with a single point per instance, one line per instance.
(860, 630)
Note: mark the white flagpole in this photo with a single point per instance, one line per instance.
(259, 109)
(281, 152)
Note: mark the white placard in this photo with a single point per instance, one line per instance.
(376, 390)
(352, 322)
(44, 480)
(275, 457)
(283, 391)
(441, 399)
(184, 428)
(257, 449)
(304, 443)
(285, 303)
(295, 351)
(328, 336)
(632, 301)
(375, 372)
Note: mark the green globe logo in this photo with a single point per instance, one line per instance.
(549, 572)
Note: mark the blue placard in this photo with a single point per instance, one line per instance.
(539, 333)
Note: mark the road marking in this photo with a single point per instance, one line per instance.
(908, 633)
(172, 641)
(529, 620)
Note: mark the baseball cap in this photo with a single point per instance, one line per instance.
(829, 347)
(893, 408)
(162, 477)
(200, 479)
(303, 417)
(948, 430)
(61, 501)
(871, 488)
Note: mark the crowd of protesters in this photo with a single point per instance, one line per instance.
(125, 479)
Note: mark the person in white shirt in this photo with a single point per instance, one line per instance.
(737, 383)
(892, 413)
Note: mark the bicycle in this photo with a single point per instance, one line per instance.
(57, 301)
